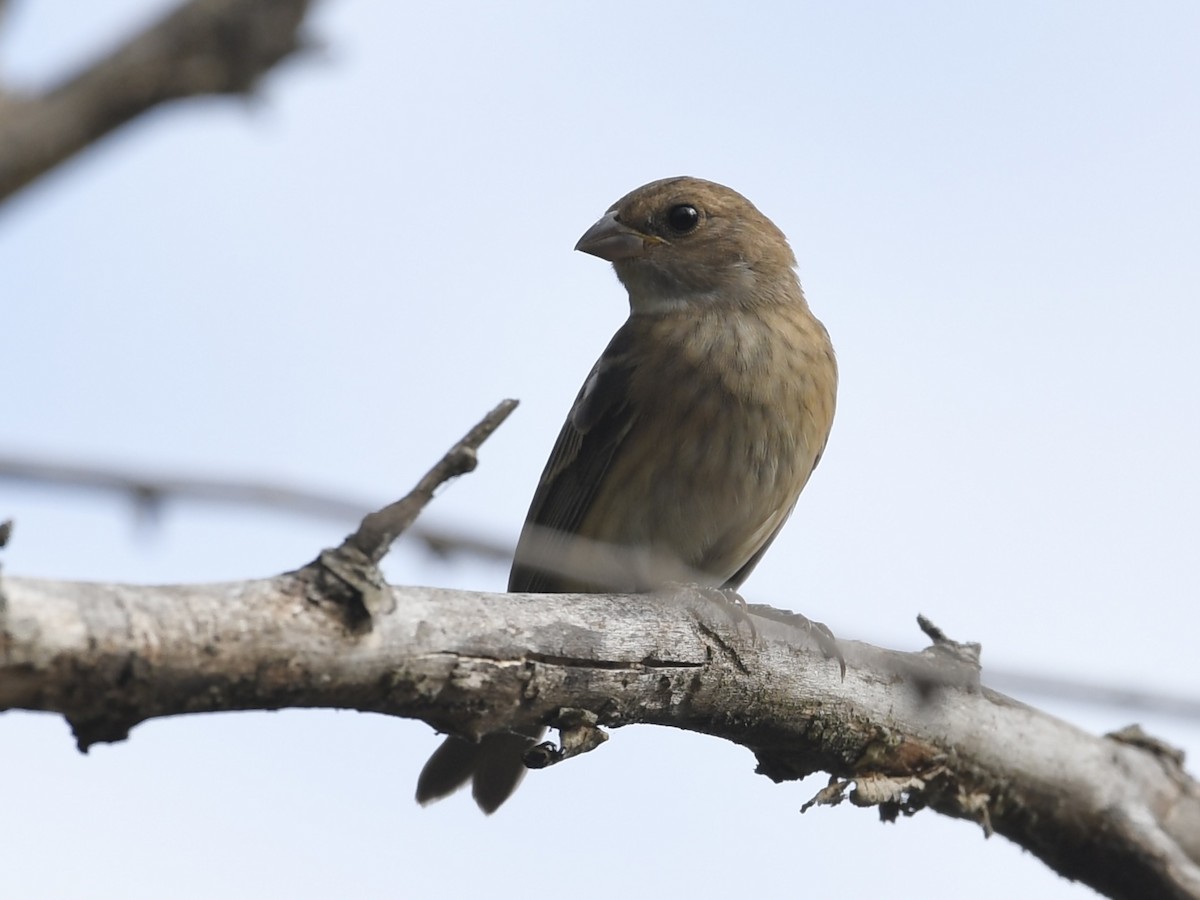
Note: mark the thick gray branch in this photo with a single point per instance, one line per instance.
(151, 493)
(908, 730)
(204, 47)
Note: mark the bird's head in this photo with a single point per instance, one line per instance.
(683, 242)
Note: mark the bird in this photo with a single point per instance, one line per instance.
(692, 437)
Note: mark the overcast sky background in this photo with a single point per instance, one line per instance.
(996, 211)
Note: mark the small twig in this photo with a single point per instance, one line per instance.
(945, 663)
(349, 573)
(966, 653)
(379, 529)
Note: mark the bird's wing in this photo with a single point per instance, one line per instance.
(735, 580)
(598, 422)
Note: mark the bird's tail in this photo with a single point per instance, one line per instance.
(494, 766)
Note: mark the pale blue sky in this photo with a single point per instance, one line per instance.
(997, 215)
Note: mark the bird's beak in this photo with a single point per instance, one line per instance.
(611, 240)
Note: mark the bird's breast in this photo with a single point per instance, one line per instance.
(728, 419)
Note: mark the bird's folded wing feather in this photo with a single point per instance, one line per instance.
(597, 424)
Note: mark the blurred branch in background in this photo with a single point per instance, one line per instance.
(150, 493)
(205, 47)
(1133, 700)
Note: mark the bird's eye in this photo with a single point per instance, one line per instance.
(682, 218)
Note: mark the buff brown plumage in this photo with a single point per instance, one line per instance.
(692, 437)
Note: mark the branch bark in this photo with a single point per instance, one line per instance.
(150, 494)
(204, 47)
(907, 730)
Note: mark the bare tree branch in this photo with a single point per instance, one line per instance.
(204, 47)
(350, 574)
(379, 529)
(151, 492)
(907, 730)
(1104, 695)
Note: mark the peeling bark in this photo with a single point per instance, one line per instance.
(907, 731)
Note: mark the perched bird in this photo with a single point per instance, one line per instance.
(692, 437)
